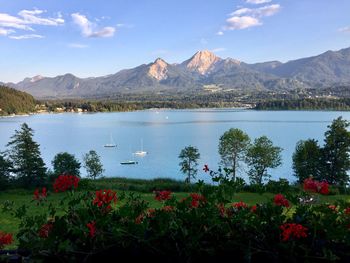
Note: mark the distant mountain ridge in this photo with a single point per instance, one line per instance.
(203, 69)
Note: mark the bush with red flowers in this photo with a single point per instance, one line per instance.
(316, 186)
(66, 182)
(203, 226)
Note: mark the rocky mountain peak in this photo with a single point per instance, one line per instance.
(202, 62)
(36, 78)
(158, 69)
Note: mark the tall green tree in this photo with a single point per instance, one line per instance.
(233, 145)
(65, 163)
(335, 153)
(5, 171)
(189, 161)
(307, 160)
(262, 155)
(92, 164)
(24, 154)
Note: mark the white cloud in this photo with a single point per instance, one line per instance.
(242, 22)
(26, 36)
(5, 32)
(219, 49)
(344, 29)
(257, 2)
(268, 10)
(249, 17)
(220, 33)
(88, 28)
(76, 45)
(27, 18)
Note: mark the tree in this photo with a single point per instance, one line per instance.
(335, 153)
(233, 145)
(261, 155)
(5, 170)
(93, 164)
(24, 154)
(189, 157)
(65, 163)
(307, 160)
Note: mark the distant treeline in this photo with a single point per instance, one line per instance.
(13, 101)
(112, 106)
(305, 104)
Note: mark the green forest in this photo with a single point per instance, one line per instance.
(13, 101)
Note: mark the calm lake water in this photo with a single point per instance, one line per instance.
(164, 133)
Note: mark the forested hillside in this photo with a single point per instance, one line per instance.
(13, 101)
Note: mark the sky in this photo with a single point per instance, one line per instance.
(91, 38)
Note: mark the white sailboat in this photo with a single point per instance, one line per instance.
(111, 144)
(141, 152)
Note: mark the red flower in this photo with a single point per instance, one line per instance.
(293, 231)
(280, 200)
(162, 195)
(206, 168)
(40, 196)
(92, 228)
(65, 182)
(150, 213)
(168, 208)
(45, 230)
(197, 199)
(104, 198)
(5, 239)
(240, 205)
(347, 211)
(139, 219)
(316, 186)
(222, 209)
(333, 207)
(253, 208)
(323, 188)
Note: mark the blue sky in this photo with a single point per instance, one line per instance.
(94, 38)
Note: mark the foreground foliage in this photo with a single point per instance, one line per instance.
(203, 226)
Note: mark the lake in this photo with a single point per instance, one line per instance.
(164, 133)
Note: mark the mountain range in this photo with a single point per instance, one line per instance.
(203, 71)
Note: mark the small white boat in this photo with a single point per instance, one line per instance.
(111, 144)
(141, 152)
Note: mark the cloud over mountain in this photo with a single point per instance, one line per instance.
(88, 28)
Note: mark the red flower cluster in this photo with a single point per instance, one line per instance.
(139, 219)
(45, 230)
(197, 199)
(206, 168)
(280, 200)
(5, 239)
(40, 196)
(65, 182)
(293, 231)
(316, 186)
(92, 228)
(168, 208)
(347, 211)
(240, 205)
(253, 208)
(104, 198)
(162, 195)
